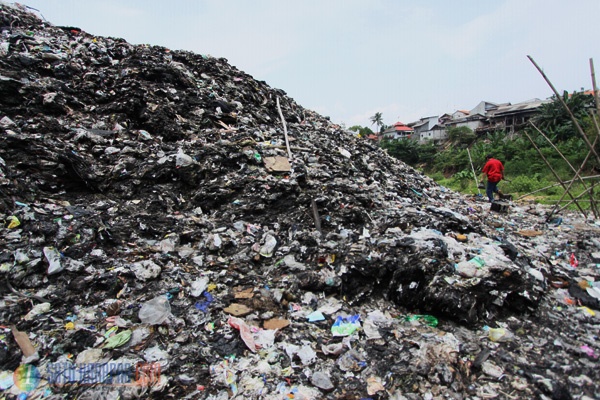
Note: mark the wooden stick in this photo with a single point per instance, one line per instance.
(575, 122)
(596, 94)
(556, 184)
(577, 172)
(473, 169)
(287, 142)
(316, 216)
(553, 172)
(574, 200)
(585, 160)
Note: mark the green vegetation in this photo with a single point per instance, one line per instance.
(461, 135)
(377, 120)
(362, 131)
(525, 170)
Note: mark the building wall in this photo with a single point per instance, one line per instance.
(471, 124)
(435, 134)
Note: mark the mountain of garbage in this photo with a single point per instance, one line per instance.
(163, 208)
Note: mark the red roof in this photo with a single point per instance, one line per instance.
(400, 127)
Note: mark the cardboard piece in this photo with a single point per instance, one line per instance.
(276, 323)
(238, 310)
(245, 294)
(277, 164)
(23, 341)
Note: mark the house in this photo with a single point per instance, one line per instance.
(512, 117)
(460, 114)
(484, 117)
(398, 131)
(428, 128)
(473, 120)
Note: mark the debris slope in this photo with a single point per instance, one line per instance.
(162, 206)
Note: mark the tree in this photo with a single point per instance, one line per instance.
(377, 120)
(554, 120)
(363, 131)
(461, 134)
(405, 150)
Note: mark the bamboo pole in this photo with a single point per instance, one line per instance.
(555, 185)
(596, 94)
(473, 169)
(585, 160)
(316, 217)
(553, 171)
(575, 122)
(577, 172)
(287, 142)
(574, 200)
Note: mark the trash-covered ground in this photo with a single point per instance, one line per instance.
(163, 238)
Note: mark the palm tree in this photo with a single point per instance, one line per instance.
(377, 120)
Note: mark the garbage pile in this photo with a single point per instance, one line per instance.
(174, 228)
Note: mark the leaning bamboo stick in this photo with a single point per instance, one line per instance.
(574, 200)
(575, 122)
(596, 94)
(473, 169)
(553, 172)
(577, 172)
(555, 185)
(285, 133)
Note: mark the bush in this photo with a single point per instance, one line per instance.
(524, 184)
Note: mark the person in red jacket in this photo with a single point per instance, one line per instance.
(494, 171)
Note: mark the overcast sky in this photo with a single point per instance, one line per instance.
(349, 59)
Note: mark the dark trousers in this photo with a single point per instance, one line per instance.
(492, 187)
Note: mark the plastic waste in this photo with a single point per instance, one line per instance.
(315, 316)
(6, 379)
(344, 152)
(322, 381)
(371, 330)
(38, 309)
(203, 305)
(351, 361)
(491, 369)
(53, 257)
(500, 335)
(588, 311)
(374, 385)
(182, 159)
(573, 261)
(245, 332)
(155, 311)
(306, 354)
(344, 326)
(118, 340)
(333, 348)
(13, 222)
(268, 248)
(474, 268)
(145, 270)
(589, 351)
(427, 319)
(198, 286)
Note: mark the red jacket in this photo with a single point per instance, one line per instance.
(494, 170)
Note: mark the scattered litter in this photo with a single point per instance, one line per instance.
(149, 203)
